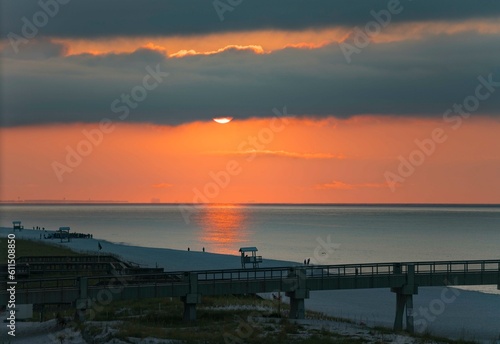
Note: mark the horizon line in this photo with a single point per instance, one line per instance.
(118, 202)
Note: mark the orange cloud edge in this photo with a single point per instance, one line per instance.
(267, 41)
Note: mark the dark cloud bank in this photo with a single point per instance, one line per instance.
(97, 18)
(423, 77)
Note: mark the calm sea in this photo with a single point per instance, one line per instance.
(327, 234)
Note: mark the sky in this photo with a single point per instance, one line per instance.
(331, 101)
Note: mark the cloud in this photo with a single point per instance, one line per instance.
(111, 18)
(39, 49)
(162, 185)
(423, 77)
(281, 154)
(257, 49)
(338, 185)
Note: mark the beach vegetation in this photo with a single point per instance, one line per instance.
(26, 247)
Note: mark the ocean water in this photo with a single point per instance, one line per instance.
(326, 234)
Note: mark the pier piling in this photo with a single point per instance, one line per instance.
(404, 299)
(191, 299)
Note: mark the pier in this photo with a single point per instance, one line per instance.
(403, 279)
(83, 265)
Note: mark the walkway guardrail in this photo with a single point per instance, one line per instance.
(314, 271)
(403, 278)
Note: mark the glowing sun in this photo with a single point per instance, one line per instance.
(223, 120)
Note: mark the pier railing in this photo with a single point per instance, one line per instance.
(404, 279)
(310, 271)
(303, 278)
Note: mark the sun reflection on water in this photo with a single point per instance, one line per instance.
(223, 227)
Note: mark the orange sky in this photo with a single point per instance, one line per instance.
(286, 160)
(268, 41)
(264, 160)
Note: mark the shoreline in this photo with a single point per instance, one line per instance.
(473, 315)
(167, 258)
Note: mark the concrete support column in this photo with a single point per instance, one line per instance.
(191, 299)
(83, 302)
(189, 311)
(409, 314)
(298, 293)
(404, 300)
(400, 309)
(498, 286)
(297, 308)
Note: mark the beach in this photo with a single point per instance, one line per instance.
(197, 153)
(472, 315)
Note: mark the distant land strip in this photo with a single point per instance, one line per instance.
(52, 201)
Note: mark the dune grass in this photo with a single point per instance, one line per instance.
(218, 321)
(34, 248)
(162, 318)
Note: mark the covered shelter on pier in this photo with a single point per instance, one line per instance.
(17, 225)
(249, 256)
(64, 234)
